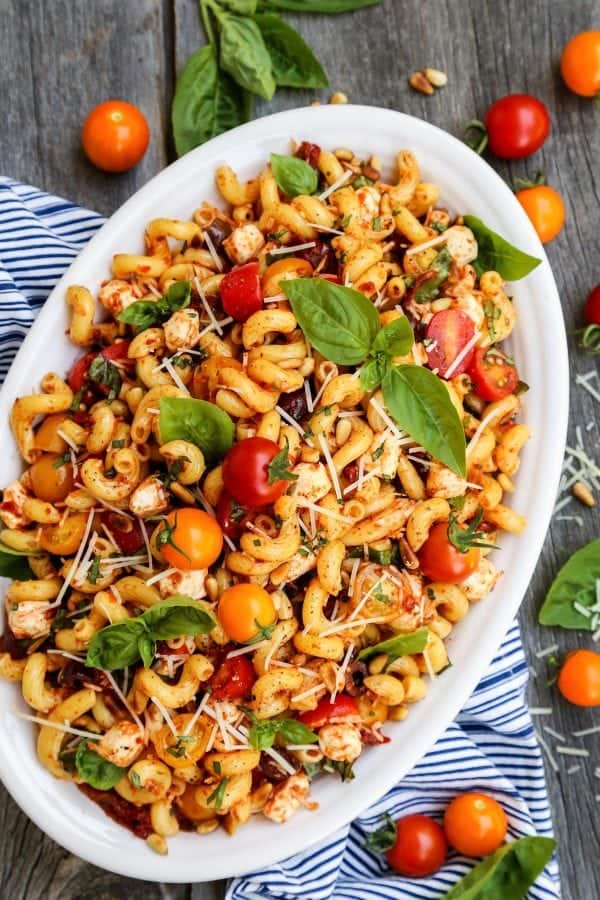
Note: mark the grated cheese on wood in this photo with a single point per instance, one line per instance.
(546, 748)
(547, 651)
(572, 751)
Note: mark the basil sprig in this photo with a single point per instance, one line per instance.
(95, 770)
(319, 6)
(264, 731)
(197, 421)
(399, 645)
(508, 873)
(497, 254)
(293, 175)
(575, 583)
(245, 56)
(145, 313)
(123, 644)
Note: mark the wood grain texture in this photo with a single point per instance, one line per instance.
(62, 58)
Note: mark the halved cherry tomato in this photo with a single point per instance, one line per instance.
(51, 477)
(591, 310)
(127, 532)
(64, 539)
(440, 560)
(284, 270)
(190, 539)
(246, 611)
(344, 706)
(420, 848)
(251, 473)
(241, 293)
(579, 678)
(231, 516)
(545, 209)
(492, 375)
(47, 437)
(450, 330)
(517, 126)
(115, 136)
(233, 679)
(475, 824)
(79, 371)
(580, 64)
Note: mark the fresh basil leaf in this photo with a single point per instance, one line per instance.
(243, 7)
(207, 101)
(318, 6)
(146, 649)
(95, 770)
(197, 421)
(293, 62)
(395, 339)
(496, 254)
(420, 403)
(177, 616)
(374, 371)
(339, 322)
(103, 371)
(116, 646)
(295, 732)
(293, 175)
(575, 583)
(344, 769)
(245, 56)
(429, 288)
(400, 645)
(13, 565)
(262, 735)
(145, 313)
(508, 873)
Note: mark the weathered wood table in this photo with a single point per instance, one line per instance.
(61, 58)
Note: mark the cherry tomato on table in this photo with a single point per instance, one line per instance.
(545, 209)
(255, 472)
(241, 293)
(579, 678)
(492, 374)
(246, 611)
(580, 64)
(343, 707)
(440, 560)
(475, 824)
(115, 136)
(190, 539)
(449, 331)
(233, 679)
(415, 846)
(591, 310)
(517, 125)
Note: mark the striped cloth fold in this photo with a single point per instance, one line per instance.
(490, 747)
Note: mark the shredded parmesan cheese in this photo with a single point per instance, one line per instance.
(459, 358)
(211, 249)
(75, 563)
(329, 460)
(336, 184)
(292, 249)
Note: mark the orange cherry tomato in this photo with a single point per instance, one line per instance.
(64, 539)
(47, 437)
(580, 64)
(190, 539)
(579, 679)
(545, 208)
(245, 611)
(440, 560)
(115, 136)
(475, 824)
(52, 477)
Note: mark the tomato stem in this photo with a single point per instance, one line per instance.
(479, 141)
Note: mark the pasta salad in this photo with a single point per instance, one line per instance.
(265, 494)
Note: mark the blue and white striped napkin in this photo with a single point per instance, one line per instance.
(491, 747)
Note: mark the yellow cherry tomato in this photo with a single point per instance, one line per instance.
(190, 539)
(579, 679)
(52, 477)
(246, 611)
(545, 208)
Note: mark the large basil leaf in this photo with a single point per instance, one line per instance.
(95, 770)
(421, 405)
(245, 56)
(116, 646)
(395, 339)
(293, 62)
(575, 583)
(339, 322)
(319, 6)
(400, 645)
(145, 313)
(429, 288)
(263, 733)
(374, 371)
(495, 253)
(197, 421)
(207, 101)
(177, 616)
(293, 175)
(508, 873)
(243, 7)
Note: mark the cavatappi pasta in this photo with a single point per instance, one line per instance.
(238, 564)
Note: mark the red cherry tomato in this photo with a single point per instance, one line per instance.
(344, 706)
(517, 126)
(241, 293)
(326, 276)
(233, 679)
(127, 533)
(440, 560)
(420, 848)
(250, 473)
(79, 370)
(492, 375)
(231, 516)
(451, 330)
(591, 310)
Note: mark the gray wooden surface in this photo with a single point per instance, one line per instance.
(60, 58)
